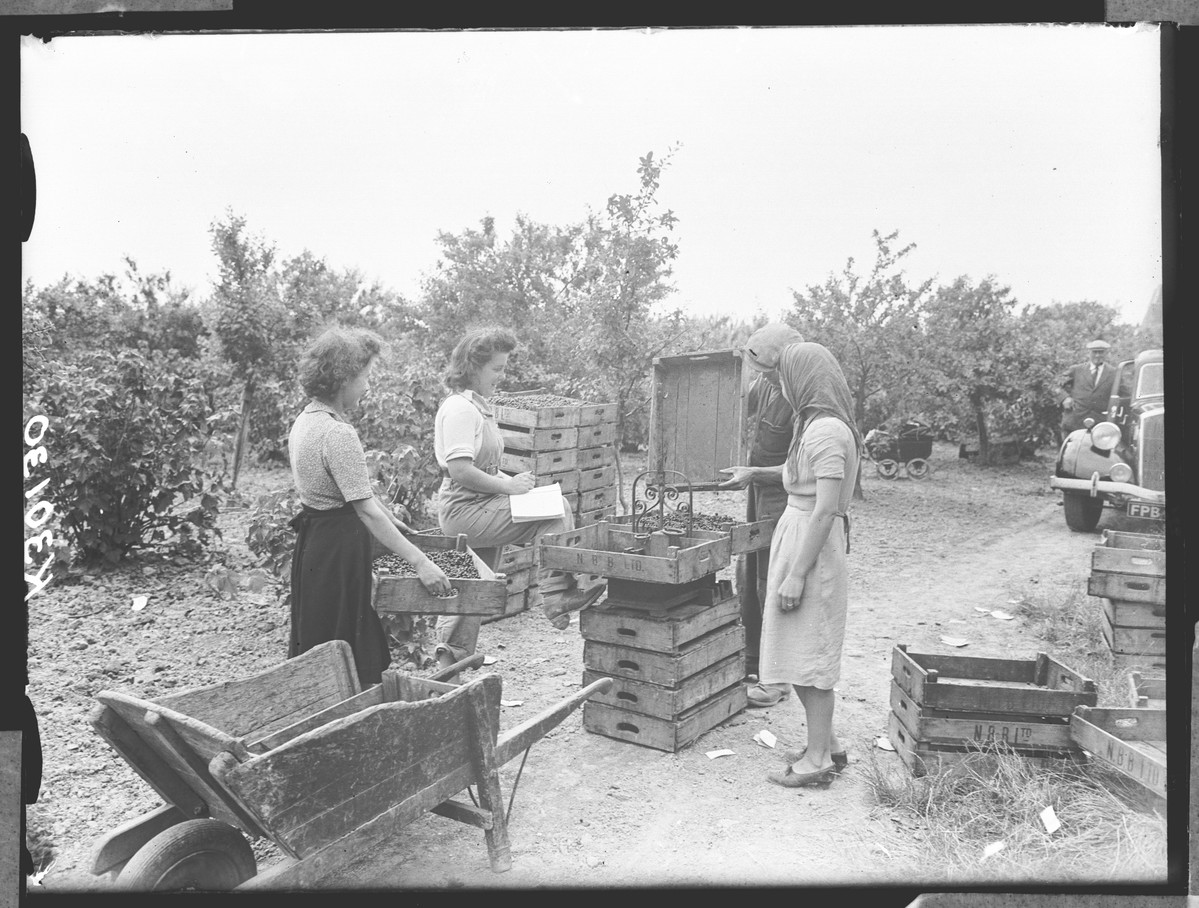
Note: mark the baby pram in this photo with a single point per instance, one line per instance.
(910, 445)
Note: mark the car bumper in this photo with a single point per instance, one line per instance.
(1095, 486)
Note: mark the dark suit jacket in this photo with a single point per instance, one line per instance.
(1091, 396)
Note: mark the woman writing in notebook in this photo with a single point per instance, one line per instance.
(473, 498)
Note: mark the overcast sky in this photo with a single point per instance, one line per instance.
(1027, 152)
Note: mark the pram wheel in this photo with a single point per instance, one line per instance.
(887, 469)
(918, 468)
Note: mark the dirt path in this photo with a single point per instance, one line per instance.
(592, 811)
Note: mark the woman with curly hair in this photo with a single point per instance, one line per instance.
(474, 494)
(331, 567)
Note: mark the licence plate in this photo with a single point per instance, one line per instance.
(1151, 511)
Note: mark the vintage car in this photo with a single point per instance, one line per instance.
(1120, 461)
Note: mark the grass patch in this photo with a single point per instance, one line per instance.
(946, 820)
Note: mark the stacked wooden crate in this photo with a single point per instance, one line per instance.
(945, 707)
(517, 564)
(1132, 742)
(668, 634)
(1128, 571)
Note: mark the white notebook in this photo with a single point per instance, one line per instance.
(541, 503)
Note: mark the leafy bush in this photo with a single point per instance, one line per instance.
(270, 536)
(125, 435)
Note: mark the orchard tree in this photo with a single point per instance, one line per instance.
(870, 323)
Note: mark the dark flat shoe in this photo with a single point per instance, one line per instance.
(840, 758)
(759, 696)
(789, 778)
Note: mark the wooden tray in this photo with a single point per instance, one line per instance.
(958, 728)
(669, 702)
(665, 669)
(596, 414)
(407, 595)
(596, 458)
(1146, 692)
(595, 435)
(743, 537)
(664, 734)
(539, 418)
(1127, 587)
(607, 549)
(1035, 687)
(548, 462)
(1133, 641)
(595, 499)
(923, 759)
(524, 438)
(517, 603)
(664, 632)
(1128, 561)
(1120, 539)
(590, 518)
(1134, 614)
(1131, 741)
(597, 478)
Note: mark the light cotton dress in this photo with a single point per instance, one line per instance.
(803, 646)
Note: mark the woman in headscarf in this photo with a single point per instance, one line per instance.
(803, 621)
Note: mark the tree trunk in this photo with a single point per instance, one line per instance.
(242, 429)
(984, 445)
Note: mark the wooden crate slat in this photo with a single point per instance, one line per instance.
(594, 499)
(590, 518)
(596, 435)
(664, 734)
(595, 458)
(1134, 614)
(923, 759)
(567, 479)
(1137, 641)
(517, 602)
(605, 549)
(1019, 732)
(1128, 587)
(661, 633)
(525, 439)
(597, 478)
(513, 462)
(1100, 733)
(1121, 539)
(515, 557)
(1128, 561)
(669, 702)
(594, 414)
(1146, 691)
(666, 669)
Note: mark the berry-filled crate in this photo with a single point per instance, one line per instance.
(613, 551)
(477, 589)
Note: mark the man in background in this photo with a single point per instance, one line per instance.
(1087, 388)
(769, 421)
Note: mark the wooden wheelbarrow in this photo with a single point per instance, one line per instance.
(301, 755)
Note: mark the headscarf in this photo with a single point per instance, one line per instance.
(765, 344)
(811, 378)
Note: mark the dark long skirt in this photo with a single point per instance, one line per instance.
(331, 589)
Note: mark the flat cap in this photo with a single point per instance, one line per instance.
(1099, 345)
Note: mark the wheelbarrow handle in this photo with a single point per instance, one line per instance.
(449, 671)
(521, 737)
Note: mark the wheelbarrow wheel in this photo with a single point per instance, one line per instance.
(887, 469)
(918, 468)
(202, 854)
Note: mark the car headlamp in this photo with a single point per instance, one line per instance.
(1121, 472)
(1105, 436)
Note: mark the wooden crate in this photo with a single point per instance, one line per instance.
(1127, 587)
(666, 669)
(664, 632)
(670, 735)
(959, 728)
(697, 423)
(925, 759)
(1131, 741)
(1034, 687)
(669, 702)
(517, 603)
(517, 580)
(524, 438)
(743, 537)
(539, 418)
(662, 596)
(596, 414)
(1133, 641)
(1134, 614)
(515, 557)
(595, 499)
(567, 479)
(598, 515)
(598, 478)
(406, 595)
(595, 458)
(604, 548)
(597, 435)
(571, 500)
(1128, 561)
(1145, 541)
(1146, 691)
(513, 462)
(1139, 662)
